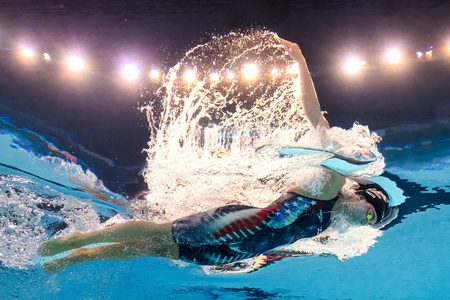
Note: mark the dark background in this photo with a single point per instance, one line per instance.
(99, 110)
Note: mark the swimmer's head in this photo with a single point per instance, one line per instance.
(368, 204)
(377, 197)
(356, 209)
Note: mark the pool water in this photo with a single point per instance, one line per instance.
(408, 261)
(40, 198)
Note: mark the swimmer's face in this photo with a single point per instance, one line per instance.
(357, 209)
(362, 211)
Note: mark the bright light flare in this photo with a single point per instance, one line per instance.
(250, 71)
(75, 63)
(419, 54)
(131, 72)
(394, 56)
(47, 57)
(230, 75)
(27, 52)
(189, 76)
(214, 76)
(354, 65)
(154, 74)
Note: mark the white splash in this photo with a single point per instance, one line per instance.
(45, 196)
(204, 133)
(24, 225)
(343, 243)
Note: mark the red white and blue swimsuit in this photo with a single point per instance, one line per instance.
(236, 232)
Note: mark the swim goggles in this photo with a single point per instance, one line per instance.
(370, 214)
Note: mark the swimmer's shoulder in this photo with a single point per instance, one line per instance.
(330, 190)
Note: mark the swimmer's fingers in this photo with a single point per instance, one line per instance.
(291, 48)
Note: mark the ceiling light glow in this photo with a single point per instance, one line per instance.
(189, 76)
(354, 65)
(131, 72)
(394, 56)
(154, 74)
(250, 71)
(75, 63)
(27, 52)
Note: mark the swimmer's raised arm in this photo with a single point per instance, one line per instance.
(309, 97)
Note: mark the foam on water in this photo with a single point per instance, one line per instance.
(42, 196)
(344, 241)
(30, 213)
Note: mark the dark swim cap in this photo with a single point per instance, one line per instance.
(377, 196)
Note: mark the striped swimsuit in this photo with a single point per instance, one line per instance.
(237, 232)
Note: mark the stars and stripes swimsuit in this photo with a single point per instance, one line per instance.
(236, 232)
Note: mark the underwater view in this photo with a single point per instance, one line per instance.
(203, 106)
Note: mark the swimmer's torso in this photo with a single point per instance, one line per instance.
(237, 232)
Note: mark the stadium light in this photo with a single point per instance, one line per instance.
(189, 76)
(154, 74)
(27, 52)
(354, 65)
(250, 71)
(393, 56)
(131, 72)
(75, 63)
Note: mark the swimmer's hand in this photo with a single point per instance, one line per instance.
(293, 50)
